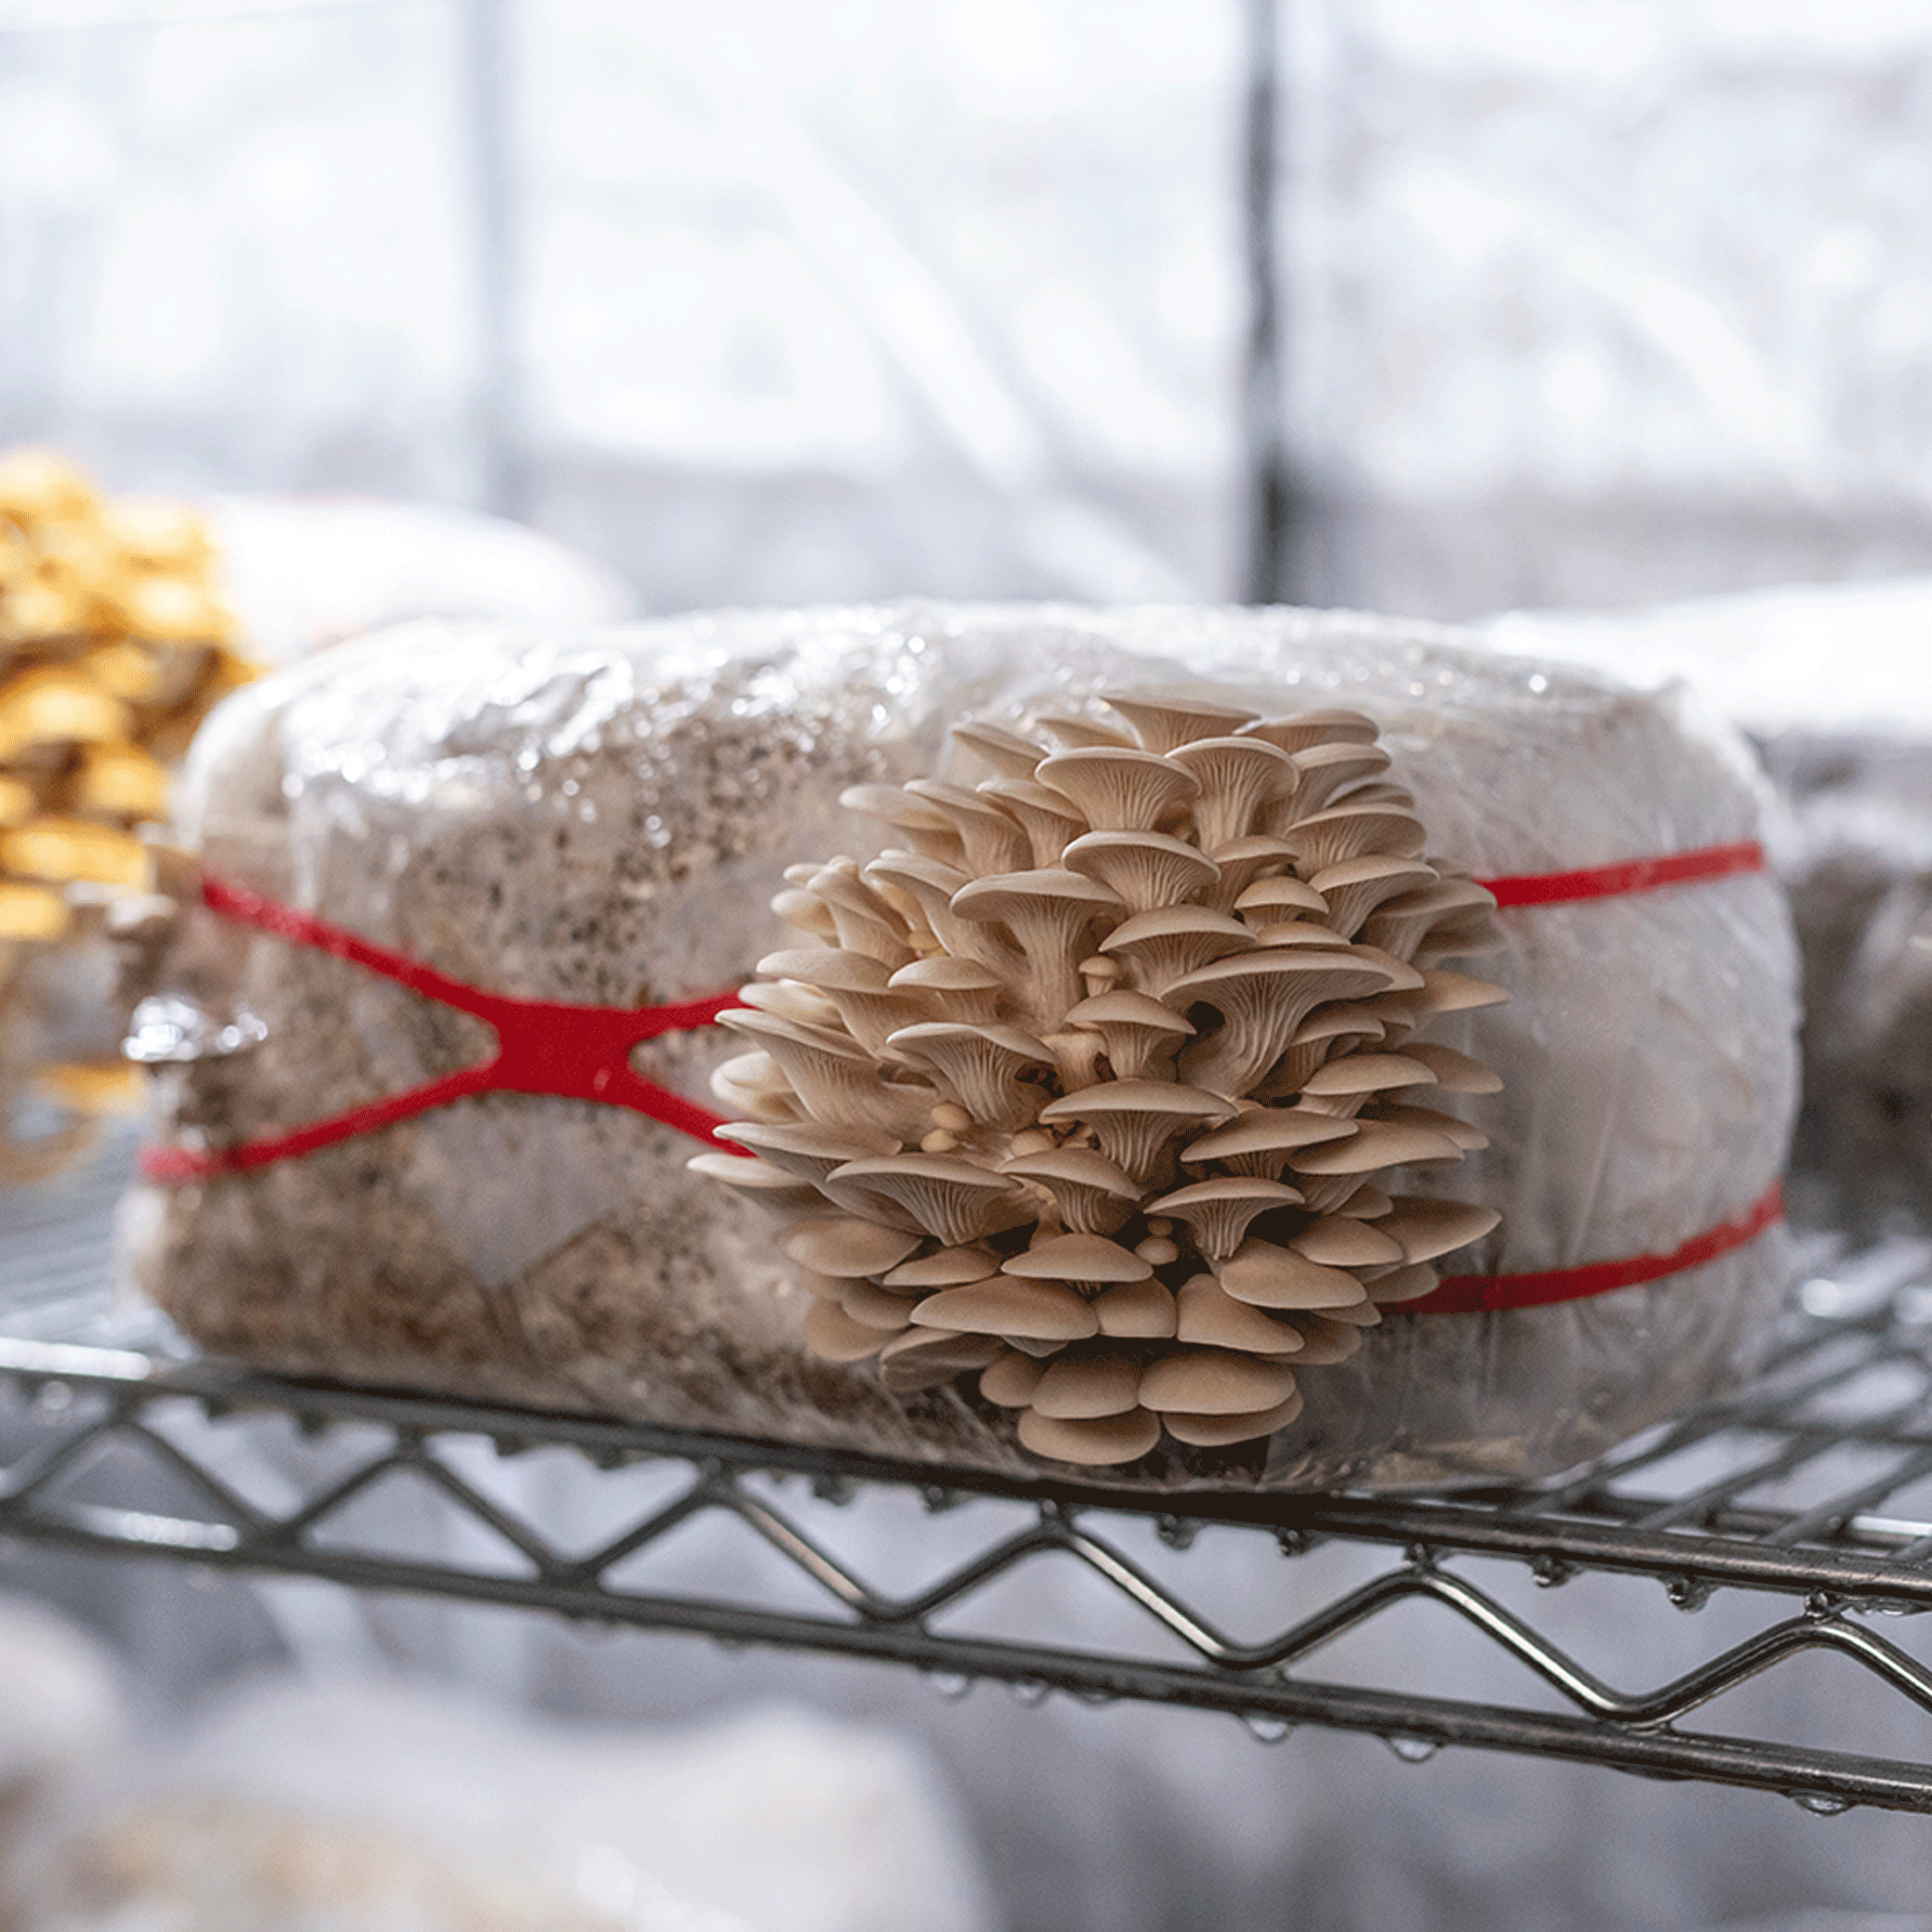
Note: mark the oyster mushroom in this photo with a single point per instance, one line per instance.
(1224, 1431)
(1403, 924)
(833, 1336)
(1091, 1195)
(962, 990)
(1050, 818)
(1134, 1120)
(1133, 1027)
(1091, 1383)
(925, 828)
(831, 1074)
(1262, 997)
(1211, 1317)
(953, 1200)
(979, 1066)
(1120, 790)
(946, 1268)
(1428, 1228)
(1082, 1260)
(930, 886)
(1218, 1210)
(1317, 726)
(1270, 1276)
(856, 983)
(1346, 1085)
(806, 1148)
(1160, 947)
(1348, 831)
(1328, 770)
(1145, 870)
(1260, 1141)
(1050, 914)
(1238, 776)
(864, 921)
(1243, 863)
(916, 1359)
(1270, 902)
(1165, 724)
(1142, 1310)
(1037, 1311)
(1455, 1072)
(1102, 1442)
(759, 1181)
(1215, 1382)
(845, 1247)
(1082, 733)
(1010, 755)
(1357, 886)
(1009, 1380)
(993, 840)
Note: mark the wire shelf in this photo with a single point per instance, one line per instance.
(1808, 1497)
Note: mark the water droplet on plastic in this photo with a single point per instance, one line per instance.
(1411, 1749)
(1688, 1592)
(1029, 1689)
(1551, 1571)
(1821, 1803)
(949, 1684)
(1176, 1532)
(1266, 1728)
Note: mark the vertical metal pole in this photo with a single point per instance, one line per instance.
(487, 29)
(1270, 498)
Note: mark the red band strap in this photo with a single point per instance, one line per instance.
(1633, 875)
(580, 1052)
(1486, 1294)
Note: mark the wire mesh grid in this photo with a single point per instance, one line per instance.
(1805, 1503)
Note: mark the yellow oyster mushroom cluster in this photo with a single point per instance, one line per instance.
(1093, 1085)
(112, 647)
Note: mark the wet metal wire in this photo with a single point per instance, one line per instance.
(1810, 1494)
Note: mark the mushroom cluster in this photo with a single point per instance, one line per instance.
(1091, 1087)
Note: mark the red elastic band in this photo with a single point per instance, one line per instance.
(1487, 1294)
(1632, 875)
(578, 1053)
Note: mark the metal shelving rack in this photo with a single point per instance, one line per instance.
(1808, 1497)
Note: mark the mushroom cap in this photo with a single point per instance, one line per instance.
(807, 1148)
(1446, 992)
(1376, 1144)
(1015, 899)
(1038, 1311)
(1162, 945)
(945, 1269)
(833, 1336)
(1094, 1195)
(1133, 1120)
(1048, 818)
(980, 1064)
(964, 990)
(1455, 1073)
(1077, 1257)
(923, 1357)
(845, 1246)
(1161, 724)
(1262, 1138)
(1225, 1432)
(1219, 1209)
(1367, 1072)
(1283, 896)
(1080, 732)
(757, 1181)
(1136, 1311)
(1075, 1387)
(1335, 1241)
(951, 1199)
(1356, 887)
(1427, 1228)
(1009, 1380)
(1099, 1442)
(1211, 1317)
(1131, 1026)
(928, 829)
(1278, 1277)
(1331, 768)
(993, 840)
(1011, 755)
(1325, 838)
(1469, 1137)
(1200, 1382)
(1262, 997)
(1237, 775)
(1146, 869)
(1117, 788)
(1320, 724)
(1409, 1282)
(873, 1307)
